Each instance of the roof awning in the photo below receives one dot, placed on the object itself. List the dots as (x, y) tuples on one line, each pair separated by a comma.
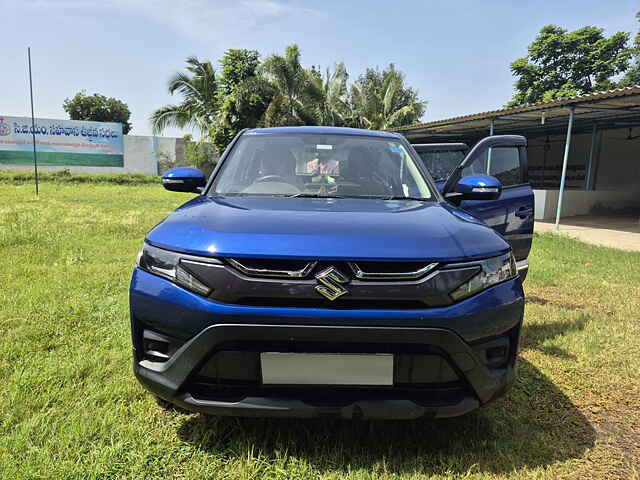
[(609, 109)]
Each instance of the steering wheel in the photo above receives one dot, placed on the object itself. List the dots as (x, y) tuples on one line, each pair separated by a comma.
[(270, 178)]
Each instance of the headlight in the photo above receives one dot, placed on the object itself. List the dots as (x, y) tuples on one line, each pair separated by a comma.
[(167, 264), (494, 270)]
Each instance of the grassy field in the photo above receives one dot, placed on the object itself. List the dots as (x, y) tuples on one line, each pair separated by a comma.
[(71, 408)]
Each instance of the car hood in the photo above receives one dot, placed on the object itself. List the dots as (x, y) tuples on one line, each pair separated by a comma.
[(325, 229)]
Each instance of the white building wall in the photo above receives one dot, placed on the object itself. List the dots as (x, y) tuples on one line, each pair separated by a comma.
[(617, 173), (582, 202)]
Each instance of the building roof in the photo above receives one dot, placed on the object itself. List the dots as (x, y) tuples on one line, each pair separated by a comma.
[(611, 108), (323, 131)]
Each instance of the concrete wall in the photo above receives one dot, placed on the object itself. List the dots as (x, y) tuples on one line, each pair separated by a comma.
[(546, 155), (141, 155), (582, 202), (616, 170), (619, 161)]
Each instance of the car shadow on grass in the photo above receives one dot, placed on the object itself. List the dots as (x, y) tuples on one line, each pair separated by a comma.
[(534, 426), (540, 336)]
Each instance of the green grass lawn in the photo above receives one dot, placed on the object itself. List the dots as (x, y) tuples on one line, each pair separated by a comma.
[(71, 408)]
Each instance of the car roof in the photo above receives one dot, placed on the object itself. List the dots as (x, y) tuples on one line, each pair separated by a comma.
[(322, 131), (439, 147)]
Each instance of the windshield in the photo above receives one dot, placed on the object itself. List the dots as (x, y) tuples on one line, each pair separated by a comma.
[(441, 164), (320, 165)]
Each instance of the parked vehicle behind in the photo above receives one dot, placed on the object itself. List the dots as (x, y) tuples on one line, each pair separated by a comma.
[(321, 271)]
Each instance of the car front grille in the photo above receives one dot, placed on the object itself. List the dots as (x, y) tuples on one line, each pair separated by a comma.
[(311, 283), (424, 375), (260, 267)]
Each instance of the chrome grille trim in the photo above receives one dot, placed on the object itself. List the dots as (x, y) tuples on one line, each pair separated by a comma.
[(362, 275), (264, 272)]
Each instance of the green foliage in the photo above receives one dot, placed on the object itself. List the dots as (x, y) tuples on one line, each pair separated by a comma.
[(98, 108), (379, 100), (198, 88), (296, 91), (247, 93), (632, 77), (333, 105), (19, 177), (201, 155), (243, 96), (561, 64)]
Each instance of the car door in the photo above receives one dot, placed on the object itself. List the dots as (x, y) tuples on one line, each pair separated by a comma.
[(511, 215)]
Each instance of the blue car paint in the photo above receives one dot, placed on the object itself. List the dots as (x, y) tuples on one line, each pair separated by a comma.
[(184, 314), (324, 229), (502, 216), (511, 215), (331, 229), (467, 184), (184, 172)]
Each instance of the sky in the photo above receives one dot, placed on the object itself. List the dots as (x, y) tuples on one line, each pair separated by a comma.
[(455, 53)]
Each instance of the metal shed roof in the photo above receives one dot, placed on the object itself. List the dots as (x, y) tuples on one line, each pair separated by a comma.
[(609, 109)]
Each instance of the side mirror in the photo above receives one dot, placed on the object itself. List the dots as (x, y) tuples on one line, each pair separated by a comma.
[(184, 179), (477, 187)]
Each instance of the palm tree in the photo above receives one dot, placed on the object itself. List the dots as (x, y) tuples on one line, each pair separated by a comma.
[(333, 107), (296, 92), (199, 106), (385, 105)]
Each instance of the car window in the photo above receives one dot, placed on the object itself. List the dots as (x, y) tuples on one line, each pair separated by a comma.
[(441, 164), (504, 164), (323, 165)]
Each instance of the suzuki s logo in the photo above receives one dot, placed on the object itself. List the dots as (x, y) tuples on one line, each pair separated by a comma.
[(331, 281)]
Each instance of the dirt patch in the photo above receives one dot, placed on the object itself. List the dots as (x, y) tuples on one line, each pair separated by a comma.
[(561, 298), (619, 430)]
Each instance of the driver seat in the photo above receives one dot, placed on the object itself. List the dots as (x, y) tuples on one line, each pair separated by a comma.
[(360, 168), (278, 160)]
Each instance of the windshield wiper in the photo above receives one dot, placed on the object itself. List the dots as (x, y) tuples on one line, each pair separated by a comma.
[(312, 195), (403, 197)]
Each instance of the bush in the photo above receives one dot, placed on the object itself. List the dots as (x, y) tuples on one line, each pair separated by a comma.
[(202, 156), (18, 177)]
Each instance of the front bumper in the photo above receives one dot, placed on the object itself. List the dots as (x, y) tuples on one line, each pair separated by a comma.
[(458, 335), (169, 379)]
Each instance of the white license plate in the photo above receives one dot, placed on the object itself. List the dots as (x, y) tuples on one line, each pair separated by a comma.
[(326, 368)]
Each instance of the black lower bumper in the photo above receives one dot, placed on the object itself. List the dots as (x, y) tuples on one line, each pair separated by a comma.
[(173, 379)]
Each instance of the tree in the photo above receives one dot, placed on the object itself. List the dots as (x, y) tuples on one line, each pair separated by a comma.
[(632, 77), (561, 64), (199, 106), (333, 104), (243, 96), (98, 108), (296, 93), (380, 100)]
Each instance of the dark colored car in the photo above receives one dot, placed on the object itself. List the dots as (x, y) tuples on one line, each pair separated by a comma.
[(321, 271)]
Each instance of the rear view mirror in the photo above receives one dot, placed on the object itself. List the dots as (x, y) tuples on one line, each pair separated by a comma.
[(184, 179), (478, 187)]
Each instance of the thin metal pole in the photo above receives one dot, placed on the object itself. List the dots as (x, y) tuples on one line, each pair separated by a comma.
[(588, 184), (489, 152), (33, 122), (567, 147)]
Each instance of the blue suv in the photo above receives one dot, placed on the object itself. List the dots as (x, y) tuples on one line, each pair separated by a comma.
[(322, 272)]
